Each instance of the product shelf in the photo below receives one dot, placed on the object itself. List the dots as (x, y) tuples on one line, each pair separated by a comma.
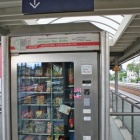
[(60, 88), (35, 105), (57, 77), (58, 92), (36, 119), (58, 119), (57, 105), (45, 134), (70, 85), (35, 78), (33, 92), (58, 134)]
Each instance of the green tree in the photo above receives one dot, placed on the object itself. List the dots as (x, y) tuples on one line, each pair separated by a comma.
[(137, 70), (131, 67), (134, 68), (112, 77), (122, 74)]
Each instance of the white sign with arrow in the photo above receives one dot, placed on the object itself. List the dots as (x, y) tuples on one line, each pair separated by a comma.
[(35, 4)]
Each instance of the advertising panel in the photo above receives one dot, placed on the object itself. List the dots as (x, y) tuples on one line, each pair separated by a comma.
[(62, 42)]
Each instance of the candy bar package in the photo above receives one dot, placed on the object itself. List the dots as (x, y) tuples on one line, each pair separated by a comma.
[(40, 127), (58, 127), (28, 127), (57, 88), (49, 138), (27, 114), (57, 114), (48, 112), (40, 114), (57, 85), (38, 71), (27, 100), (40, 99), (29, 138), (40, 88), (49, 127), (57, 70), (48, 86)]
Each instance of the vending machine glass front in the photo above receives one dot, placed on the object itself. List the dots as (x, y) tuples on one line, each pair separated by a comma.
[(45, 101)]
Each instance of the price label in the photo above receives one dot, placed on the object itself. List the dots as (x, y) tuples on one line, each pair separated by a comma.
[(86, 137), (87, 118), (87, 111), (86, 69)]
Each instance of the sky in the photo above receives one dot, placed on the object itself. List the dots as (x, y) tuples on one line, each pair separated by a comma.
[(125, 64)]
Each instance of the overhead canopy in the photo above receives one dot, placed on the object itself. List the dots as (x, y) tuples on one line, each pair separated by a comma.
[(124, 30), (107, 23)]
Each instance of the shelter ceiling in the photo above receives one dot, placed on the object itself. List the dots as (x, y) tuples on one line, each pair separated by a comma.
[(124, 45)]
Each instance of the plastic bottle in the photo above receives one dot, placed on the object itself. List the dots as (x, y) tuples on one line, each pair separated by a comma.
[(71, 95), (70, 75), (71, 120)]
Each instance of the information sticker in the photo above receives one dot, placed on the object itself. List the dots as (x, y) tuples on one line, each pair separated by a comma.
[(87, 118), (86, 69), (86, 101), (64, 109), (86, 137), (87, 111), (77, 93)]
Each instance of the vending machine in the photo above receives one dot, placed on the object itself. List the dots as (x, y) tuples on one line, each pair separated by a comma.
[(55, 86)]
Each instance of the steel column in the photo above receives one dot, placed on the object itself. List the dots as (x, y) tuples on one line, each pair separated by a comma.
[(107, 51), (102, 95), (104, 90), (112, 99), (116, 89), (116, 81), (132, 122), (6, 125), (122, 112)]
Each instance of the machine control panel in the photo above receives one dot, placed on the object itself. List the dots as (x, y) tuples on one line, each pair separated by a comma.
[(86, 101), (86, 91), (86, 107), (86, 83)]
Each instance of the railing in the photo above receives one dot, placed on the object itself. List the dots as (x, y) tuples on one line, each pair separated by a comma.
[(127, 109)]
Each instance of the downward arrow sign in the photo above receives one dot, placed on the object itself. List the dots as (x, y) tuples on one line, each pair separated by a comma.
[(35, 5)]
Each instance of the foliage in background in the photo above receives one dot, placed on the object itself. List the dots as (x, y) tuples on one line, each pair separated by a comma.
[(132, 80), (134, 67), (122, 74), (112, 76)]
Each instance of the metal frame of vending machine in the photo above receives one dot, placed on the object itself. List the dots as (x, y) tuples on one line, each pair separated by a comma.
[(91, 74)]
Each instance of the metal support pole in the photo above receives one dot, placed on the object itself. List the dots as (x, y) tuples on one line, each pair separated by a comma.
[(102, 90), (112, 100), (104, 96), (132, 122), (6, 127), (122, 112), (116, 89), (116, 104), (116, 81), (107, 87)]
